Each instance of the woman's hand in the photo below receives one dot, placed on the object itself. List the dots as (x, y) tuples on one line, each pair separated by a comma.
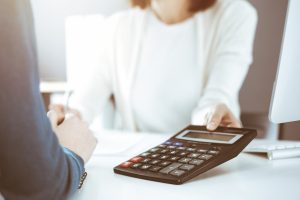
[(215, 115), (61, 112)]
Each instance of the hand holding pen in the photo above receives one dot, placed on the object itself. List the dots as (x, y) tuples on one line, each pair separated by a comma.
[(63, 110)]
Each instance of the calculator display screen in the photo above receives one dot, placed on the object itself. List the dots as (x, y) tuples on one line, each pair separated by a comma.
[(211, 137)]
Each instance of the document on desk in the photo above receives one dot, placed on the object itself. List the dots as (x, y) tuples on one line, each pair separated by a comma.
[(274, 149), (116, 142), (110, 143)]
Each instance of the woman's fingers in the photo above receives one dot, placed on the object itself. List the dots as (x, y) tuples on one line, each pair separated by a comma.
[(215, 118), (222, 116)]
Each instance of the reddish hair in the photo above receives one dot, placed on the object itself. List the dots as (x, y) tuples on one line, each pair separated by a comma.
[(195, 5)]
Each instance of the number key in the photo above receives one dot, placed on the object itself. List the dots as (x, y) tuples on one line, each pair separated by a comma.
[(165, 163), (146, 160), (155, 155), (164, 151), (196, 162), (213, 152), (187, 167), (205, 156), (175, 158), (154, 162), (177, 172), (191, 149), (185, 160), (194, 155), (173, 152), (155, 168), (136, 165), (183, 153), (164, 157), (145, 167), (154, 150)]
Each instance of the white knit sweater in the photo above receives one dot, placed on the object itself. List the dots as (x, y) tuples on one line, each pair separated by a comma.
[(225, 35)]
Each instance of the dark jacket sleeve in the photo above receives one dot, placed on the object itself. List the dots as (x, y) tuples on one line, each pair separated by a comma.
[(32, 163)]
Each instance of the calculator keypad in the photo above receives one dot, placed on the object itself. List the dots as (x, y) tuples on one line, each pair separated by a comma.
[(196, 162), (170, 168), (170, 158)]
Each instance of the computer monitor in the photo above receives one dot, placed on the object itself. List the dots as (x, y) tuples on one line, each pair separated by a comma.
[(285, 105)]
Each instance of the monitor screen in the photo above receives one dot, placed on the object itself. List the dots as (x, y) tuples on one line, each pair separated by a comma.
[(286, 93)]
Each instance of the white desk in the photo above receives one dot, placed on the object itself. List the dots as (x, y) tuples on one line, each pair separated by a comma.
[(245, 177)]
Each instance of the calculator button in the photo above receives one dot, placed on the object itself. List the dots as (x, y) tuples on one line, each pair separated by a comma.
[(145, 167), (168, 143), (170, 168), (185, 160), (181, 148), (154, 162), (155, 168), (194, 155), (183, 153), (164, 157), (136, 165), (213, 152), (145, 154), (205, 156), (178, 144), (126, 164), (136, 159), (187, 167), (146, 160), (155, 155), (171, 147), (154, 150), (173, 152), (175, 158), (191, 149), (196, 162), (177, 172), (202, 150), (217, 148), (162, 146), (165, 163), (164, 151)]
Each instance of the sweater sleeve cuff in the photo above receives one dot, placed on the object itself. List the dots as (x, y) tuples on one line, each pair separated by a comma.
[(79, 161)]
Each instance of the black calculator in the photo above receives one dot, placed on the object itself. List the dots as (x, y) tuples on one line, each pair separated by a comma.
[(192, 151)]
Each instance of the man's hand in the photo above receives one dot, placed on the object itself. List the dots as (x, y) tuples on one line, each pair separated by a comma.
[(74, 134), (61, 112), (215, 115)]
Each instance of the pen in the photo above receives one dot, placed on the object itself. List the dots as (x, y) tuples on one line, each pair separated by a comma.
[(67, 96)]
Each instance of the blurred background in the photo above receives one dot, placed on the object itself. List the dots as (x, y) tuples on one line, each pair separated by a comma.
[(256, 93)]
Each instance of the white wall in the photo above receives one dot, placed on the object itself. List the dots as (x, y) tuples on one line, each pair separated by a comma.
[(49, 23)]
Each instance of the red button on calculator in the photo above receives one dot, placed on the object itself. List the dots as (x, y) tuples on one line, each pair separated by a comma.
[(136, 159), (125, 164)]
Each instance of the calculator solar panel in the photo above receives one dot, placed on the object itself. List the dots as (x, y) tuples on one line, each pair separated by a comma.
[(187, 154)]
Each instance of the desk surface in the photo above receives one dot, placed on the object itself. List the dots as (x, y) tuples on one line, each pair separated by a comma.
[(244, 177)]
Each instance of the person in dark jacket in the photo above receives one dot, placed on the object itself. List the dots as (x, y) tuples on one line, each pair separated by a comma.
[(37, 161)]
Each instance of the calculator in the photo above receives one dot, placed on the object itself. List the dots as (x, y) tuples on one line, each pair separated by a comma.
[(192, 151)]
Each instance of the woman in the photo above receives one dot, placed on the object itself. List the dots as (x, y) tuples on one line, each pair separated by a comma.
[(169, 63)]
